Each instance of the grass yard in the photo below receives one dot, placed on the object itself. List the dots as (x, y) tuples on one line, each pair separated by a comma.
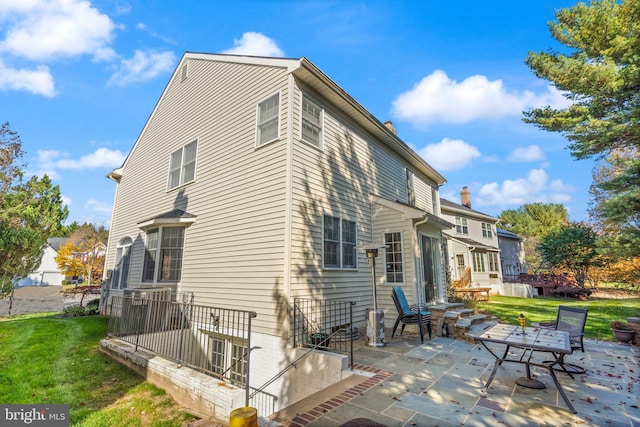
[(601, 311), (46, 359)]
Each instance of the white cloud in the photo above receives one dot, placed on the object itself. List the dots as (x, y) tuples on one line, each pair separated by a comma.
[(449, 154), (38, 80), (531, 153), (143, 66), (534, 188), (97, 206), (51, 161), (439, 99), (255, 44), (46, 30)]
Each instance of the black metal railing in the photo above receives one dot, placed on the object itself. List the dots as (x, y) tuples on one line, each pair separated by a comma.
[(212, 340), (324, 325)]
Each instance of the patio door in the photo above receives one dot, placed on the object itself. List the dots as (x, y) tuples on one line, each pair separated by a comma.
[(460, 265), (429, 270)]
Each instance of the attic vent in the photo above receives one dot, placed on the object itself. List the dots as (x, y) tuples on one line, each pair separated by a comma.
[(184, 73)]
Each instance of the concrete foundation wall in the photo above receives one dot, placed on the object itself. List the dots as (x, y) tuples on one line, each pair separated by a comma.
[(209, 397), (204, 396)]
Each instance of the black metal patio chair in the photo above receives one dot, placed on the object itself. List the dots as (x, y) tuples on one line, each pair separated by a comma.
[(415, 314), (573, 321)]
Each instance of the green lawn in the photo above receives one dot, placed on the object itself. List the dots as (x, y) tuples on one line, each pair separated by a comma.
[(47, 359), (601, 311)]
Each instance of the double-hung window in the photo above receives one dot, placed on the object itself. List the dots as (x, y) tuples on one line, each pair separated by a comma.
[(182, 166), (163, 255), (393, 257), (120, 275), (268, 128), (312, 116), (411, 192), (228, 357), (339, 243), (487, 230), (493, 261), (461, 225), (478, 262)]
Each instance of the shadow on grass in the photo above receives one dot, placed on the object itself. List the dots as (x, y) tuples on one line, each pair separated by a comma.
[(53, 359)]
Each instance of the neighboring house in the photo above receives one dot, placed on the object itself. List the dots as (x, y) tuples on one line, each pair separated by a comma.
[(512, 255), (473, 243), (257, 180), (47, 273)]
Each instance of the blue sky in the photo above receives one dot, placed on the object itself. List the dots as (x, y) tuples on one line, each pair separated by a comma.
[(78, 80)]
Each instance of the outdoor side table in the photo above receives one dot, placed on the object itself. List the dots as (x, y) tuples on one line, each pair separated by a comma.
[(533, 339)]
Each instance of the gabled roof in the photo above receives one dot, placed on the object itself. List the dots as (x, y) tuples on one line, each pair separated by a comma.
[(412, 212), (311, 75), (447, 205), (56, 242), (176, 216)]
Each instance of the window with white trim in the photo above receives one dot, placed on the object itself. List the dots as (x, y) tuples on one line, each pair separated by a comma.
[(478, 262), (163, 255), (487, 230), (493, 261), (268, 128), (120, 274), (461, 225), (339, 243), (411, 192), (182, 165), (312, 122), (393, 257), (227, 357)]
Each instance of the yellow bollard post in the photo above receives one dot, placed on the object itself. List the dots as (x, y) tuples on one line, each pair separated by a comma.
[(244, 417)]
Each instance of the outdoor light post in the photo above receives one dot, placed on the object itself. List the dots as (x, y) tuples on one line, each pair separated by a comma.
[(375, 318)]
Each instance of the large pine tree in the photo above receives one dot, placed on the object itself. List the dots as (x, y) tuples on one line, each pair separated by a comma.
[(599, 71)]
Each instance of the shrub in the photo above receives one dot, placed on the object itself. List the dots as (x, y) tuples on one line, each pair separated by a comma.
[(73, 311)]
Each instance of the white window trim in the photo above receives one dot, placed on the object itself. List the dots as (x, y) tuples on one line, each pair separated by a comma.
[(463, 224), (257, 136), (411, 186), (117, 270), (322, 109), (158, 249), (487, 230), (340, 255), (404, 272), (195, 166), (480, 266)]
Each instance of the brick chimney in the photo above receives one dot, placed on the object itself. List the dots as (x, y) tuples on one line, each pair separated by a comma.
[(389, 126), (465, 195)]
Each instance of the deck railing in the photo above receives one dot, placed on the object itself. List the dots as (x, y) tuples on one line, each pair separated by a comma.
[(212, 340)]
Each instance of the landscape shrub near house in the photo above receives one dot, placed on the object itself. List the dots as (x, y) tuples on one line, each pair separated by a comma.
[(49, 359)]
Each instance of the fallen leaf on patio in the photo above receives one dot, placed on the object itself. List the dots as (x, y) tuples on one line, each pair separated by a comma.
[(608, 408), (589, 399)]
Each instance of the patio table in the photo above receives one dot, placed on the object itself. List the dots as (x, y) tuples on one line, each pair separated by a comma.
[(532, 340)]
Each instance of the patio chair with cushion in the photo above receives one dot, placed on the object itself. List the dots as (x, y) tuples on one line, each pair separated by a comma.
[(415, 314)]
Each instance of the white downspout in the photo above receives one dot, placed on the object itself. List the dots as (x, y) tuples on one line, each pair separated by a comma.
[(418, 261)]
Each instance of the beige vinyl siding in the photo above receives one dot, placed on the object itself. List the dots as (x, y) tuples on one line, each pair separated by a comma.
[(234, 251), (338, 181), (390, 221), (423, 190)]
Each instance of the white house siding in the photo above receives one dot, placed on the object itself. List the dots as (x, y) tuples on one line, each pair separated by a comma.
[(234, 251), (47, 274), (474, 223), (389, 221), (338, 181)]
